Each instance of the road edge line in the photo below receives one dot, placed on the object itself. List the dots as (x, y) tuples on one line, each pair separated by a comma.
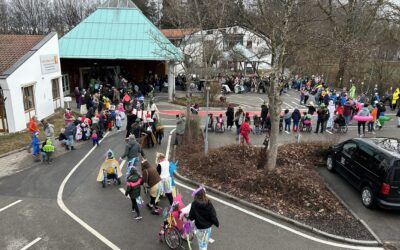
[(362, 244), (353, 213), (64, 208), (31, 243), (10, 205)]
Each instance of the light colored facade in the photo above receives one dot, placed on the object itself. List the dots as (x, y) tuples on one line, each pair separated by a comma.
[(33, 85), (235, 44)]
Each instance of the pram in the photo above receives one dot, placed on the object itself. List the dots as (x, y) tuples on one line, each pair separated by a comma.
[(305, 124), (339, 125), (220, 125)]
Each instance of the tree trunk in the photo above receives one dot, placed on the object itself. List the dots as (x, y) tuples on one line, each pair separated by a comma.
[(274, 109), (342, 68)]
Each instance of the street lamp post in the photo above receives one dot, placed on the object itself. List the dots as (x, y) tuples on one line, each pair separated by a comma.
[(207, 121)]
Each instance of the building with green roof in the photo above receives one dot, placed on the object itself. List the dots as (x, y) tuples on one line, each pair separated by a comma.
[(116, 39)]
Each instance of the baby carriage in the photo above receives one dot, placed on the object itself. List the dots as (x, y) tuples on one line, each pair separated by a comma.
[(176, 227), (220, 125), (109, 171), (339, 125), (305, 124)]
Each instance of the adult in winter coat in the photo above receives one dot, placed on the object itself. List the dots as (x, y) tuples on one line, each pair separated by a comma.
[(70, 132), (203, 213), (331, 109), (245, 130), (264, 115), (230, 115), (48, 130), (180, 129), (239, 118), (322, 117), (132, 149), (296, 116), (152, 180), (363, 112), (133, 190)]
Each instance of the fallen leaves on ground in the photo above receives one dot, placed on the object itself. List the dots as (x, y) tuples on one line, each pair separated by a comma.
[(294, 189)]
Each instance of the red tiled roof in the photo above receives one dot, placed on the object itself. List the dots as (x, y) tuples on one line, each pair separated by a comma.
[(13, 47), (177, 33)]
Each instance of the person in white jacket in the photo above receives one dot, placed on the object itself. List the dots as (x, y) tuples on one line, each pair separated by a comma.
[(166, 180), (331, 109)]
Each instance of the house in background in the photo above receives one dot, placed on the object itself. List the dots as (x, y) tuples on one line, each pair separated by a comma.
[(233, 48), (30, 79)]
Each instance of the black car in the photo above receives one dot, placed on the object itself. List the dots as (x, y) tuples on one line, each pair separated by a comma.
[(372, 166)]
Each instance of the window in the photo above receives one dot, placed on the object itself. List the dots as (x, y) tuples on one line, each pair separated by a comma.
[(365, 157), (396, 174), (65, 83), (249, 44), (27, 95), (349, 148), (55, 87)]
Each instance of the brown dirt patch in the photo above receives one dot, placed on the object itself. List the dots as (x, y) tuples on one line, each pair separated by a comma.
[(294, 189)]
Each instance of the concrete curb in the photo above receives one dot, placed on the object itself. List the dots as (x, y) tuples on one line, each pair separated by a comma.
[(13, 152), (354, 214), (278, 216)]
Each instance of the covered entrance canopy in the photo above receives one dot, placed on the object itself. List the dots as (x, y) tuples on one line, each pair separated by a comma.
[(116, 39)]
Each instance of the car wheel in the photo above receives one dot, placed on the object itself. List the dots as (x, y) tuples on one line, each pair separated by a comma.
[(367, 197), (329, 163)]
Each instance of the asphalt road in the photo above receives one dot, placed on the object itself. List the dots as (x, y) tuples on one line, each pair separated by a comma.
[(38, 217), (37, 220)]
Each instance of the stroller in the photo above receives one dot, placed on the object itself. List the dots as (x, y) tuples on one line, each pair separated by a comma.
[(305, 124), (220, 125), (339, 125)]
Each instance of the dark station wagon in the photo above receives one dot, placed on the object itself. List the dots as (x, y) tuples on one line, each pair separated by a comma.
[(372, 166)]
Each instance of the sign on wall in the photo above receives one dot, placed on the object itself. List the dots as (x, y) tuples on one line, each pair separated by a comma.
[(50, 64)]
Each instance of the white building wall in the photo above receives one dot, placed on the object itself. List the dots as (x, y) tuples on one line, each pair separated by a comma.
[(30, 73)]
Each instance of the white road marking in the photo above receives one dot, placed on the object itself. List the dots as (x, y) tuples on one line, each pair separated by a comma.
[(10, 205), (330, 243), (329, 132), (287, 132), (123, 192), (31, 243), (169, 144), (295, 103), (63, 207), (280, 225), (169, 126), (287, 94), (287, 104), (261, 99), (122, 165)]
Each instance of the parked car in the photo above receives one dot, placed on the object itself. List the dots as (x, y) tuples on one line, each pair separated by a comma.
[(372, 166)]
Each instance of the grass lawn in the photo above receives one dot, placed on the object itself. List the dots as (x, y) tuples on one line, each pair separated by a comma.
[(9, 142)]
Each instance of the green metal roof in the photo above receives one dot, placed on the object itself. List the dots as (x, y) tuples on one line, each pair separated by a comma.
[(117, 33)]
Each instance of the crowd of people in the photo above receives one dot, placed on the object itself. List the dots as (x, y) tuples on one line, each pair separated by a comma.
[(333, 109)]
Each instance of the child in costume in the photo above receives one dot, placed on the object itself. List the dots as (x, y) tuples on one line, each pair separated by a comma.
[(35, 146), (95, 138), (110, 168), (118, 122), (133, 190), (47, 150)]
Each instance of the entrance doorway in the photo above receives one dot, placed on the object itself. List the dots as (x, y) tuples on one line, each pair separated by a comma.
[(104, 73)]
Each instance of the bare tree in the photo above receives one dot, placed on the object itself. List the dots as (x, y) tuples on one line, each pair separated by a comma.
[(277, 22)]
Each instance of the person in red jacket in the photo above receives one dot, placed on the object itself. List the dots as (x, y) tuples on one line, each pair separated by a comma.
[(244, 131)]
